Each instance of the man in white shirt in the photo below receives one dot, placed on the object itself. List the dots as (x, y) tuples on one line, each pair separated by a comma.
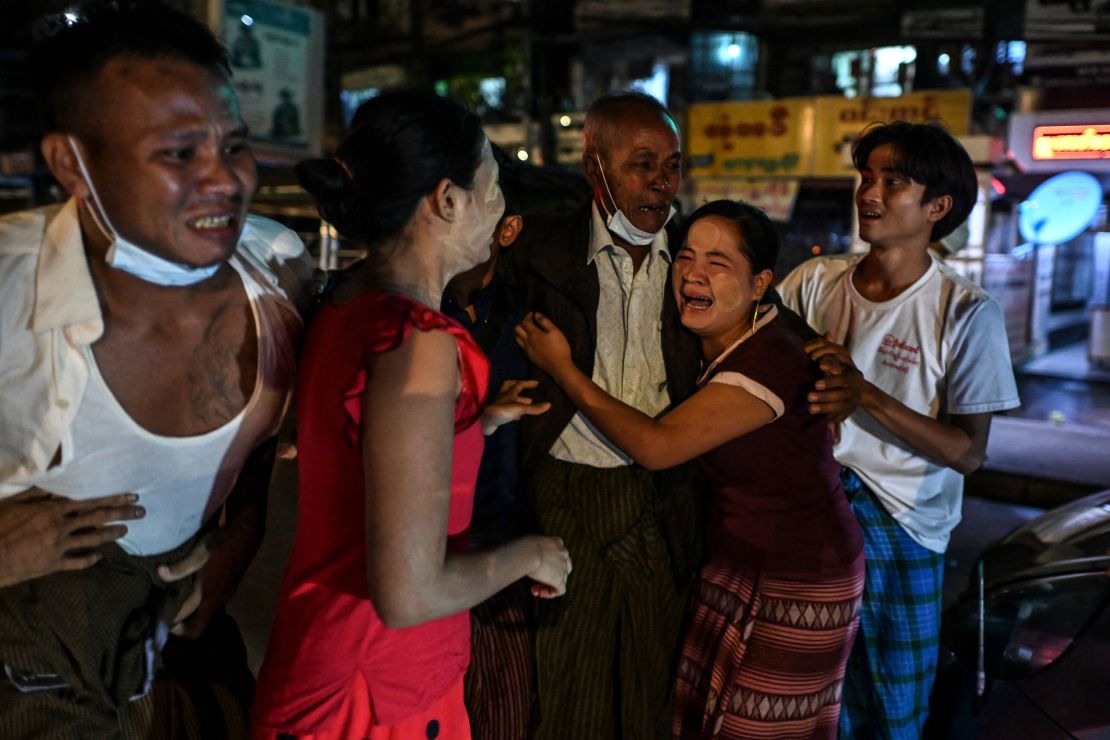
[(148, 336), (935, 364)]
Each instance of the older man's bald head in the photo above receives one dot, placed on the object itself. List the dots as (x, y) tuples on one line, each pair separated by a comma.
[(607, 115)]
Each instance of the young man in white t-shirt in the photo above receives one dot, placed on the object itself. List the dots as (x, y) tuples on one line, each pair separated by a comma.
[(932, 350)]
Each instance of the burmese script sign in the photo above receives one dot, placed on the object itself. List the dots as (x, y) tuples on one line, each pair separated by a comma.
[(1057, 140), (839, 122), (749, 139), (801, 137), (1071, 142)]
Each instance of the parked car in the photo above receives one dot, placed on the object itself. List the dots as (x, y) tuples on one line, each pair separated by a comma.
[(1027, 645)]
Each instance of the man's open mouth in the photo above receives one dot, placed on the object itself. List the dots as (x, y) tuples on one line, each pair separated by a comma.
[(210, 223)]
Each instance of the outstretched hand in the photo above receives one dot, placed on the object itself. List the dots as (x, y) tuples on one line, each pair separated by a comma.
[(840, 392), (545, 345), (510, 405)]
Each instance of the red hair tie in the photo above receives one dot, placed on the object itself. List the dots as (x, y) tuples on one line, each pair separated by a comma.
[(346, 168)]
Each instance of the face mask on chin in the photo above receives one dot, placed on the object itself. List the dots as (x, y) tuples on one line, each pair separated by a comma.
[(130, 257), (620, 225)]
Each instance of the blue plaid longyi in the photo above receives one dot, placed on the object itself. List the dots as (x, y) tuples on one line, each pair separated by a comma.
[(893, 663)]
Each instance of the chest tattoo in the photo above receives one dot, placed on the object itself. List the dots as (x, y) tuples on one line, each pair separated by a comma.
[(222, 367)]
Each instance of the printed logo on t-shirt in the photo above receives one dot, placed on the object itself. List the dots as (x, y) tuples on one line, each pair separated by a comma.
[(898, 354)]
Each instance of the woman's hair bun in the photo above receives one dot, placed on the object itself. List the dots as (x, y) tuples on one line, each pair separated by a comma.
[(401, 146), (333, 190)]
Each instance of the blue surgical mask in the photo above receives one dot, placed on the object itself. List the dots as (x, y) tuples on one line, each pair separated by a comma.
[(130, 257), (619, 223)]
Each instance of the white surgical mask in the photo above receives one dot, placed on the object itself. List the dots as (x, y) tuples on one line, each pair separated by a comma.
[(619, 223), (130, 257)]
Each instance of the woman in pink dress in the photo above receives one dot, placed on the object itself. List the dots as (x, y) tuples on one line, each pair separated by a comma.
[(371, 636)]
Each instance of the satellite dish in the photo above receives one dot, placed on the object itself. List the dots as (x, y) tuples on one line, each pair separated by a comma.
[(1060, 208)]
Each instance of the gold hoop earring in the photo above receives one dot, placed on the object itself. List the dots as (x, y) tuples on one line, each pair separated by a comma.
[(755, 314)]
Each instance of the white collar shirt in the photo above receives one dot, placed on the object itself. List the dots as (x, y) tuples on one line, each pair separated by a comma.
[(50, 314), (628, 357)]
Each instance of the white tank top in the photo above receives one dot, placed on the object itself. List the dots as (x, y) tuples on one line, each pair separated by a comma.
[(181, 481)]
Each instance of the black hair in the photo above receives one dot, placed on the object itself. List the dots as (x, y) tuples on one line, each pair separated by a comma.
[(610, 107), (759, 239), (401, 145), (929, 155), (72, 48)]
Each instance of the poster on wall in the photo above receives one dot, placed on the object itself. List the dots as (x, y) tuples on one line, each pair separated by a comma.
[(276, 64)]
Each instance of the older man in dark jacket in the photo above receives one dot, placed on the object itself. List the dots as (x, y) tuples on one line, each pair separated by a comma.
[(605, 651)]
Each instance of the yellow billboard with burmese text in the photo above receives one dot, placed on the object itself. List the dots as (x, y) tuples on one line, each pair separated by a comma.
[(840, 120), (750, 139), (804, 137)]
